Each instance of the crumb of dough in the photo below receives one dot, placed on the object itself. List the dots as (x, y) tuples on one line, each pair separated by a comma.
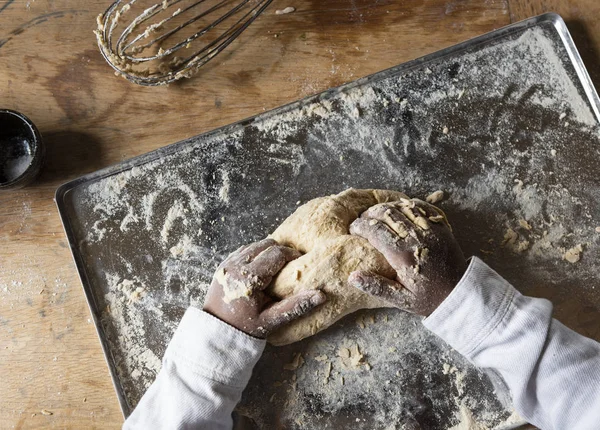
[(511, 242), (523, 223), (356, 357), (344, 353), (137, 294), (436, 218), (510, 237), (321, 358), (296, 363), (518, 189), (47, 412), (522, 246), (445, 130), (436, 196), (573, 255), (447, 369), (327, 373), (360, 322), (597, 229), (422, 223), (288, 9)]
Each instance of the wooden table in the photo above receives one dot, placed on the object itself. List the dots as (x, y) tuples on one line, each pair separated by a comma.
[(51, 70)]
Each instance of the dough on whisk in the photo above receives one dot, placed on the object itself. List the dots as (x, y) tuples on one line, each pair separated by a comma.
[(319, 229)]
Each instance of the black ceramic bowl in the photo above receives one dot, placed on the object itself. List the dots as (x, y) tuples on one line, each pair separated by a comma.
[(21, 150)]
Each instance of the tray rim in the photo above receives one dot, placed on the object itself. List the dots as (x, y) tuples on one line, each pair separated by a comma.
[(63, 190)]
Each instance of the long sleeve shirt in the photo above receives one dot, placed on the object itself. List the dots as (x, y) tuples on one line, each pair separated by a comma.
[(205, 368), (552, 372)]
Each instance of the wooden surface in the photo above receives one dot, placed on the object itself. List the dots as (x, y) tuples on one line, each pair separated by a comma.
[(51, 70)]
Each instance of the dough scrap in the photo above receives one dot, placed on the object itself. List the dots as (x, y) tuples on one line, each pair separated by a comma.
[(319, 229)]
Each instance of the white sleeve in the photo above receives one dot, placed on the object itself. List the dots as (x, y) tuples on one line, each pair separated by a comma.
[(552, 372), (207, 365)]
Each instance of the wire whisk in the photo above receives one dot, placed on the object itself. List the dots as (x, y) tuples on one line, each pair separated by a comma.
[(171, 39)]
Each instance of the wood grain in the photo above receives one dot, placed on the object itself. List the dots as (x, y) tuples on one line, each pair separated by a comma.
[(51, 70)]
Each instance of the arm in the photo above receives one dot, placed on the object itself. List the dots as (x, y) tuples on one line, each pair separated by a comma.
[(552, 372), (210, 359), (205, 369)]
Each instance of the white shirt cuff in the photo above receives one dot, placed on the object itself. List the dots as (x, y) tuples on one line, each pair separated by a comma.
[(473, 309), (211, 348)]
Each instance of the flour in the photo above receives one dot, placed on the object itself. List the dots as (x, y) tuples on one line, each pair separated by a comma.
[(224, 190), (141, 363), (182, 249), (505, 131), (130, 218), (467, 421), (177, 211)]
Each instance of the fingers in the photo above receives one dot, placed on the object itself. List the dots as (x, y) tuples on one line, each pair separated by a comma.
[(287, 310), (270, 261), (414, 215), (251, 251), (385, 240), (384, 288), (434, 215), (391, 215)]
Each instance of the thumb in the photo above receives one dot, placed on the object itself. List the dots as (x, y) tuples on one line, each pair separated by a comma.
[(281, 313), (379, 286)]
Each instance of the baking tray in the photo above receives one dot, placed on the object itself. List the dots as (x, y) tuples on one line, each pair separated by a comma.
[(506, 124)]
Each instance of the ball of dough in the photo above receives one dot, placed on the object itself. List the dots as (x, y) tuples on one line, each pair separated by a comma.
[(319, 229)]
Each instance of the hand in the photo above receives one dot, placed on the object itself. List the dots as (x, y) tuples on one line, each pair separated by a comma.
[(236, 295), (417, 241)]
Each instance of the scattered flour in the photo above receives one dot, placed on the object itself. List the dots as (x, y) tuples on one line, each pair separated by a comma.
[(224, 190), (177, 211), (505, 161)]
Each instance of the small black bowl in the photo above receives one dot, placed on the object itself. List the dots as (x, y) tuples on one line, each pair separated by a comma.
[(21, 150)]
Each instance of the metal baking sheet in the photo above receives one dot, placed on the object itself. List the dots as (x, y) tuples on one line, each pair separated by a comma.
[(506, 124)]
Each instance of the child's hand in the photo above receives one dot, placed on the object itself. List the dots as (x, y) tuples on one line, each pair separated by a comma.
[(417, 241), (236, 293)]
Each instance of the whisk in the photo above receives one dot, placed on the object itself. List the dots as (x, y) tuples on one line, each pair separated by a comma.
[(171, 39)]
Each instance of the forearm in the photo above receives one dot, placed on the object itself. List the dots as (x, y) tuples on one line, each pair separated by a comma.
[(205, 369), (553, 373)]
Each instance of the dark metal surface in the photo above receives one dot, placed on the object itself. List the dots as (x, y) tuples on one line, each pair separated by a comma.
[(484, 120)]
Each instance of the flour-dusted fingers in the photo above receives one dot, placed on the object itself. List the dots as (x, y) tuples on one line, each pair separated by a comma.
[(395, 249), (251, 251), (391, 215), (281, 313), (386, 289), (413, 213), (425, 209), (435, 215), (270, 261)]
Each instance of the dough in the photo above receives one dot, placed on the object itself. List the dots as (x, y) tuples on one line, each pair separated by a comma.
[(319, 229)]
